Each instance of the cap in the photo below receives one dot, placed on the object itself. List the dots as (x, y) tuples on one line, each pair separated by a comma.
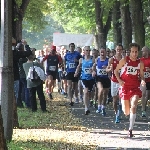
[(53, 47)]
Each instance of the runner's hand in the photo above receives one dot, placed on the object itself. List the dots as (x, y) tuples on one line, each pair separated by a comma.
[(143, 83), (121, 82), (93, 74)]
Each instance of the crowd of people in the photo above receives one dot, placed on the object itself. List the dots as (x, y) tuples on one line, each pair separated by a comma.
[(94, 77)]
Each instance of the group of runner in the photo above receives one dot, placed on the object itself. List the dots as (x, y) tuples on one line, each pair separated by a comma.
[(122, 72)]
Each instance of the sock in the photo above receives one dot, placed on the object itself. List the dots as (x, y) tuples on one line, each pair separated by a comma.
[(86, 108), (118, 113), (102, 107), (99, 107), (132, 120)]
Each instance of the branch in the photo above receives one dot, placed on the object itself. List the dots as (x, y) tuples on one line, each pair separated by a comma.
[(108, 23)]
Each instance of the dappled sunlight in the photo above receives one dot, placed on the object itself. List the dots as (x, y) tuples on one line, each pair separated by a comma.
[(95, 137)]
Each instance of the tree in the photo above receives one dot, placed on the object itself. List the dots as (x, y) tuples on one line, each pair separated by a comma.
[(116, 23), (126, 24), (3, 145), (137, 21)]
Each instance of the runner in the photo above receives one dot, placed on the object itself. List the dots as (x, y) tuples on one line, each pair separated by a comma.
[(145, 91), (53, 61), (130, 77), (86, 76), (71, 61), (113, 61), (103, 81)]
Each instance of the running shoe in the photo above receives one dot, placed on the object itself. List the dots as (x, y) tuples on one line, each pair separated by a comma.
[(103, 112), (65, 95), (87, 112), (117, 119), (130, 133), (144, 114), (71, 103), (98, 111), (76, 101)]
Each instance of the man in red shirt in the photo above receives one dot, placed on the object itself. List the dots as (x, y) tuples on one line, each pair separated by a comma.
[(145, 90), (53, 60)]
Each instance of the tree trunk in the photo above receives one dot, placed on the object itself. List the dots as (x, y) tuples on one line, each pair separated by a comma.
[(6, 69), (116, 23), (102, 30), (126, 24), (17, 18), (3, 145), (137, 22)]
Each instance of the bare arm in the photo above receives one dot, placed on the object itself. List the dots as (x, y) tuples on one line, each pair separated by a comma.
[(94, 65), (142, 72), (109, 67), (116, 71), (78, 67)]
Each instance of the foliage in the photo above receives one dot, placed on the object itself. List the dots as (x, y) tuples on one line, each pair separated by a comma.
[(52, 120), (37, 39)]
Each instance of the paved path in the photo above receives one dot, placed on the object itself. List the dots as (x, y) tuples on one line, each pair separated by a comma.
[(109, 135)]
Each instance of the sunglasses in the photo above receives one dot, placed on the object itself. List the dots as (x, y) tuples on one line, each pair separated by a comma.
[(88, 50)]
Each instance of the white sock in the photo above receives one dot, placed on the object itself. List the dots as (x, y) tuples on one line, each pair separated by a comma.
[(86, 108), (118, 113), (120, 103), (99, 107), (132, 120), (102, 107)]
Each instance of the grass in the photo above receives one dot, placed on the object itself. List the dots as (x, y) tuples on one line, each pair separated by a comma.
[(48, 131)]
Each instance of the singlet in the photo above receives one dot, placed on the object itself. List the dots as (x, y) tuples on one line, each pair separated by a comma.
[(130, 73), (86, 72), (114, 64), (101, 72), (71, 65), (52, 63), (146, 62)]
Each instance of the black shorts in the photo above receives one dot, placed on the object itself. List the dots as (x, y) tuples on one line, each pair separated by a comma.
[(70, 76), (104, 81), (88, 84), (147, 85), (53, 74)]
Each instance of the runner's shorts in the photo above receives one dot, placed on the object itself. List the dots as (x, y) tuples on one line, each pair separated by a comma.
[(104, 81), (53, 74), (70, 76), (88, 84), (126, 93), (114, 88)]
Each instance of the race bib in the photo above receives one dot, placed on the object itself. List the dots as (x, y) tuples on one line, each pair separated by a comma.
[(87, 70), (71, 65), (52, 68), (131, 70), (101, 72), (146, 74)]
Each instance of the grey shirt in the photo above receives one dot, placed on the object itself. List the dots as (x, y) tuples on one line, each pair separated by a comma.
[(26, 67)]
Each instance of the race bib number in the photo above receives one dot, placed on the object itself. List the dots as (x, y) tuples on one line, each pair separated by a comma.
[(52, 68), (101, 72), (71, 65), (131, 70), (146, 74), (88, 70)]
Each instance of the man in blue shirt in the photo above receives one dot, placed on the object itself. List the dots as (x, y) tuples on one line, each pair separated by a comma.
[(71, 61)]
